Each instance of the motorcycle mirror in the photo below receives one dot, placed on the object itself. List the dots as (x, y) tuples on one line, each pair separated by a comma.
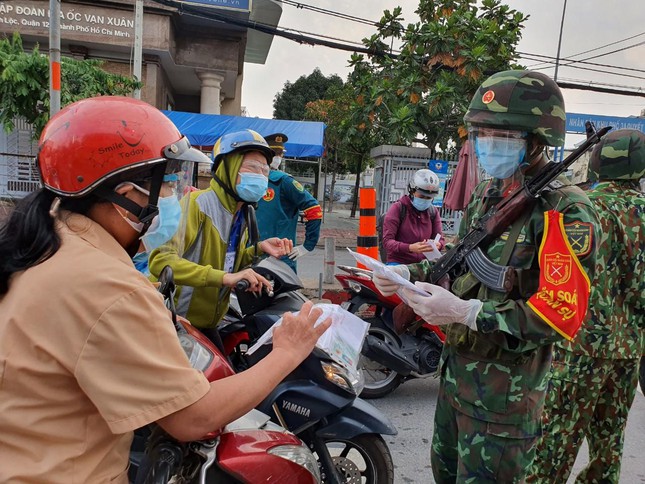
[(254, 232)]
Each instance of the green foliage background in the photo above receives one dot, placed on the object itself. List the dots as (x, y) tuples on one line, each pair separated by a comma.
[(24, 83)]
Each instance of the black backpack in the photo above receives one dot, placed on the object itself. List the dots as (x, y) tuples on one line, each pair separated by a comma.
[(379, 227)]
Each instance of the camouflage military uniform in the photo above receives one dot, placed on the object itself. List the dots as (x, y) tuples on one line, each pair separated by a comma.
[(593, 378), (493, 379)]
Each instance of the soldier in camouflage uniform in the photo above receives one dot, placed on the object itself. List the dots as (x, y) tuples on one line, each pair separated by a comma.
[(496, 358), (594, 377)]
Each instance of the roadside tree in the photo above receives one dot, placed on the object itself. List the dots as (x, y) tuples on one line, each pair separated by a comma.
[(420, 94), (24, 83)]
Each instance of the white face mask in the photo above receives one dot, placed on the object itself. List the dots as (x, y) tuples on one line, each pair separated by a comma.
[(138, 226), (275, 162)]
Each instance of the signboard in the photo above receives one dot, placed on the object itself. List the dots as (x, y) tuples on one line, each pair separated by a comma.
[(576, 122), (440, 167), (79, 21), (239, 5)]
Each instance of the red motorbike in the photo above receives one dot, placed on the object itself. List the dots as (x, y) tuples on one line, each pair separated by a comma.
[(250, 450), (390, 354)]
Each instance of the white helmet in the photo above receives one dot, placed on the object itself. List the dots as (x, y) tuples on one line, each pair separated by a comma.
[(426, 182)]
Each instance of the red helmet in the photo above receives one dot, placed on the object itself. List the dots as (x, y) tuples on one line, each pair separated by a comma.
[(93, 144), (101, 138)]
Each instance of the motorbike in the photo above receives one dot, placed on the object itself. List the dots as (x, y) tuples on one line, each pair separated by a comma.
[(319, 400), (251, 449), (390, 355)]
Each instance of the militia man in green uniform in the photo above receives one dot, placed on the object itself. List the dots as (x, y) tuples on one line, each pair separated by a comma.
[(278, 211), (594, 377), (498, 349)]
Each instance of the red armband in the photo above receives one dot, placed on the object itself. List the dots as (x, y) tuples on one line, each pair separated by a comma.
[(313, 213), (563, 292)]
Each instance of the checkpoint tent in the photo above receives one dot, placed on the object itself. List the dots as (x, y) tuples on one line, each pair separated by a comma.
[(203, 130)]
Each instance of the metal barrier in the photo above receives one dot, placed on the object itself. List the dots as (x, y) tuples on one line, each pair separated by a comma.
[(18, 174)]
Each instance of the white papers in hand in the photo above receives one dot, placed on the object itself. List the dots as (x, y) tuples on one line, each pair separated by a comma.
[(382, 270), (342, 341), (434, 254)]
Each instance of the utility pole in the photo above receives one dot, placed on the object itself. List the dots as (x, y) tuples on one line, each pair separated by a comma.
[(54, 57), (557, 56), (138, 44)]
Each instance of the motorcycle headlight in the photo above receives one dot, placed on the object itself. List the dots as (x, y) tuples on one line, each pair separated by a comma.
[(300, 455), (199, 356), (341, 376)]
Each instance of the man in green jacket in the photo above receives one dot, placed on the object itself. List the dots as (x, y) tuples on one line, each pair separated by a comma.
[(594, 377), (498, 344), (209, 253)]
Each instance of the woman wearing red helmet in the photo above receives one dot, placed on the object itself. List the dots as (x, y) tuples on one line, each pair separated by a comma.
[(84, 337)]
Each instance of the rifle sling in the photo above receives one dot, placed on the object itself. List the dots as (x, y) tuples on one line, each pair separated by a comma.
[(513, 236)]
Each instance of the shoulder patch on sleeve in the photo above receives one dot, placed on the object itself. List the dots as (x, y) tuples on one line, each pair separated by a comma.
[(269, 195), (580, 237), (298, 186)]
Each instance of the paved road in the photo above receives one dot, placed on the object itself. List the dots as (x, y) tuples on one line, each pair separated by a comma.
[(411, 408)]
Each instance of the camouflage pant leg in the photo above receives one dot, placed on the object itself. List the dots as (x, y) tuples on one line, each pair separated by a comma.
[(576, 388), (469, 450), (606, 432)]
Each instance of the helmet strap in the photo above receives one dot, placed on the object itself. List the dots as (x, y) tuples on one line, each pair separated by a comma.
[(144, 214), (151, 210), (229, 191)]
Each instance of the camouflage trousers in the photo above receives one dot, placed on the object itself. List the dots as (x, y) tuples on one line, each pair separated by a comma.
[(586, 397), (468, 450)]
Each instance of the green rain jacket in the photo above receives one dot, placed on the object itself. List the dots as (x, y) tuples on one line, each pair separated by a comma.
[(499, 373), (198, 269)]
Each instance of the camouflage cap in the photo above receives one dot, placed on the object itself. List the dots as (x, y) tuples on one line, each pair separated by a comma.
[(620, 155), (522, 100)]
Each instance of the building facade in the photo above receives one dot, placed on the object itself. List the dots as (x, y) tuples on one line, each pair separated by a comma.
[(191, 62)]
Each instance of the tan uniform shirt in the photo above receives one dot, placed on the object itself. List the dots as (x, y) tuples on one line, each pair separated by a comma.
[(88, 353)]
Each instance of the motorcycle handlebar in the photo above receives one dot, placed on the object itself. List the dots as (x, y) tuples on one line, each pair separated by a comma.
[(244, 285)]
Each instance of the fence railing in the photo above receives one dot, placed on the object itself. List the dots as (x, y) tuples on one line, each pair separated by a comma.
[(18, 174)]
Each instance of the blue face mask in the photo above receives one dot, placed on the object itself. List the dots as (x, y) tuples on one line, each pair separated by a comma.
[(164, 225), (140, 261), (252, 186), (500, 157), (421, 204)]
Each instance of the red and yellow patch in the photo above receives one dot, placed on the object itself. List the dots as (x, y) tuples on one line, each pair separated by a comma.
[(269, 195), (563, 291), (488, 97), (313, 213)]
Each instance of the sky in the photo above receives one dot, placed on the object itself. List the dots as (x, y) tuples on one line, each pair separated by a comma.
[(588, 24)]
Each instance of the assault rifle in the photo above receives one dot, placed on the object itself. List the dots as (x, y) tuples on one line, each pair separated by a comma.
[(468, 254)]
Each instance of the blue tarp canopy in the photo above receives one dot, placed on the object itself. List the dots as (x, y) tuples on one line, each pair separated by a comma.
[(203, 130)]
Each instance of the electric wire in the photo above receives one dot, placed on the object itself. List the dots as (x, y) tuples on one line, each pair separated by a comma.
[(184, 9), (594, 49), (332, 13)]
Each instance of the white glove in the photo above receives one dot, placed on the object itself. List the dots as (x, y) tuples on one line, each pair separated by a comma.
[(387, 287), (443, 307), (297, 252)]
